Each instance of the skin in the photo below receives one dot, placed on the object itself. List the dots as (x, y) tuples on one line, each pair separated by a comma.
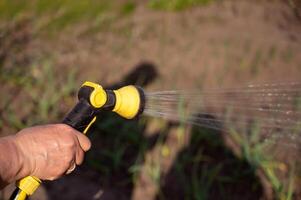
[(47, 152)]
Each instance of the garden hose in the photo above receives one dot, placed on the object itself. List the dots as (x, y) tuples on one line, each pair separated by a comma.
[(127, 101)]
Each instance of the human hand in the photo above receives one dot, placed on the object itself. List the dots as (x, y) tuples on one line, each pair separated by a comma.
[(50, 151)]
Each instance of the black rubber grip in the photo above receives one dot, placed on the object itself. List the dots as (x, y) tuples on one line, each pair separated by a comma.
[(142, 100), (15, 194), (111, 100), (80, 116)]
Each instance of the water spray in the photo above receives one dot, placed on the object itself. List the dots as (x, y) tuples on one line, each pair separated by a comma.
[(128, 102), (273, 110)]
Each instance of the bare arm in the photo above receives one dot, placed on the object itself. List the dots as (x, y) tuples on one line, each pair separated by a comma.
[(46, 152)]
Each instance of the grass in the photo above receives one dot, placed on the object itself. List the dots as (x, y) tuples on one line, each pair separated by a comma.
[(204, 167), (50, 17), (128, 8), (67, 11), (176, 5), (154, 172), (287, 55), (256, 153), (42, 92), (202, 171), (255, 63), (272, 52)]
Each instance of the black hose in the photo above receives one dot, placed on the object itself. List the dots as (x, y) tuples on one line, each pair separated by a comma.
[(15, 194)]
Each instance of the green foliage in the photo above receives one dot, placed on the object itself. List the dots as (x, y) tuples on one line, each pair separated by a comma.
[(119, 145), (56, 15), (287, 55), (46, 91), (65, 9), (154, 172), (71, 12), (272, 52), (176, 5), (255, 62), (128, 8), (291, 185), (254, 151), (42, 89), (297, 102), (205, 168)]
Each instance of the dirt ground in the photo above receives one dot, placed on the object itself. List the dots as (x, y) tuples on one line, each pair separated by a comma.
[(224, 44)]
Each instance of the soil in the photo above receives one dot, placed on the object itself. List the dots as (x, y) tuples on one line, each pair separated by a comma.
[(224, 44)]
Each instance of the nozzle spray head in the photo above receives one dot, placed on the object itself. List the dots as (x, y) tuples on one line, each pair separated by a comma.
[(128, 101)]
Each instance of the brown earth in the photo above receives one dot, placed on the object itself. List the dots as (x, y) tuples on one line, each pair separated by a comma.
[(225, 44)]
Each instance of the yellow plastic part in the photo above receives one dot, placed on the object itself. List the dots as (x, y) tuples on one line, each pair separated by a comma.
[(127, 101), (87, 128), (29, 184), (21, 196), (98, 97)]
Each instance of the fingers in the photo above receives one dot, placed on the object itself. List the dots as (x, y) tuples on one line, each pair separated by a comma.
[(83, 141), (78, 160), (79, 156), (83, 145)]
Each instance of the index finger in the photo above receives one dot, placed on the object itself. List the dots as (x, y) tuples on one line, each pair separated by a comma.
[(84, 141)]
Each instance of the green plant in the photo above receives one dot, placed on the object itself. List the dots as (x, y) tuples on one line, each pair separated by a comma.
[(128, 8), (287, 55), (53, 16), (42, 92), (176, 5), (154, 172), (255, 62)]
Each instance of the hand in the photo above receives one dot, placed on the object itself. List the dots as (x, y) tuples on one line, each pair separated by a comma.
[(50, 151)]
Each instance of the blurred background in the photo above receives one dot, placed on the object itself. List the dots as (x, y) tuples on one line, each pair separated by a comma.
[(49, 48)]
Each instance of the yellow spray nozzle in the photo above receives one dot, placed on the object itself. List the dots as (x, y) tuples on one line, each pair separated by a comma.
[(98, 96), (129, 101)]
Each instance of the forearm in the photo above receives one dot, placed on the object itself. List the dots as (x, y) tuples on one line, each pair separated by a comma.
[(10, 161)]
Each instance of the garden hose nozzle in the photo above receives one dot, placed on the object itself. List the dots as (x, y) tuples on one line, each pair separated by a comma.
[(127, 101)]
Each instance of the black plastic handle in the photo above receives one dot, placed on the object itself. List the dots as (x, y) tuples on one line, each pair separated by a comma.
[(80, 116)]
